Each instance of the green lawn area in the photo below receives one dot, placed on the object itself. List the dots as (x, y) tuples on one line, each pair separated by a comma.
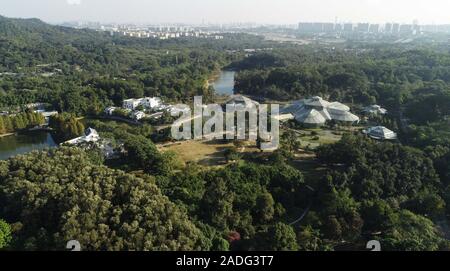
[(314, 137), (206, 153)]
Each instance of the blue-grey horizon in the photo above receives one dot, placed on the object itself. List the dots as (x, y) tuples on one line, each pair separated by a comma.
[(229, 11)]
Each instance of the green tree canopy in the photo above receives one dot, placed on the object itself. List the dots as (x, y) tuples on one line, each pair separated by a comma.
[(60, 195)]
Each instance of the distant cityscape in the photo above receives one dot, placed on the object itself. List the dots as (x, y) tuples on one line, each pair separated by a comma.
[(162, 32), (216, 31), (387, 28), (157, 32)]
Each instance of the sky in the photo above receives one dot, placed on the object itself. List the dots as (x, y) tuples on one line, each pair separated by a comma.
[(229, 11)]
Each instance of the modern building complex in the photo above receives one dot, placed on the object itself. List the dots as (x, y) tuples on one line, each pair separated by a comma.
[(147, 103), (316, 112)]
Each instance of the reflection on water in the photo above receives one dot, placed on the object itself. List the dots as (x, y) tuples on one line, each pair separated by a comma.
[(224, 85), (23, 143)]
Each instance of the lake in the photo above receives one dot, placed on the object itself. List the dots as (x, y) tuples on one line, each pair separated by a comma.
[(24, 143), (224, 84)]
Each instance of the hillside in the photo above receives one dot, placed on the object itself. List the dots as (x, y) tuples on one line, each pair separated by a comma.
[(27, 42)]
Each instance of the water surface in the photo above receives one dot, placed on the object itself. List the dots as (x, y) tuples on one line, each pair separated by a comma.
[(224, 84), (24, 143)]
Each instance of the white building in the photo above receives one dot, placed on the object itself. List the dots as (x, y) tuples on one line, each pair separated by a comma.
[(131, 103), (35, 105), (380, 133), (375, 110), (151, 103), (316, 111), (90, 135), (175, 110), (138, 115), (147, 103), (110, 110)]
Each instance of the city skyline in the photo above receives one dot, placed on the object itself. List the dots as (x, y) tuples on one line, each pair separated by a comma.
[(231, 11)]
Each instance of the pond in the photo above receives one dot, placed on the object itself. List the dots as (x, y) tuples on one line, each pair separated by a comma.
[(224, 84), (24, 143)]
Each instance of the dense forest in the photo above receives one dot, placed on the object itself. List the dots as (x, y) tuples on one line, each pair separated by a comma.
[(387, 75), (20, 121), (83, 71), (62, 194), (394, 192), (145, 199)]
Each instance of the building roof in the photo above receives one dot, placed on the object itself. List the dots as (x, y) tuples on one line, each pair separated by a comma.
[(293, 108), (241, 100), (90, 135), (284, 117), (325, 114), (177, 109), (311, 116), (380, 132), (132, 100), (316, 101), (110, 108), (375, 109), (90, 131), (344, 116), (302, 110), (153, 99), (47, 114), (338, 106)]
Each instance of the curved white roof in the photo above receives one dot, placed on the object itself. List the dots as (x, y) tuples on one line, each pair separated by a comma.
[(338, 106), (294, 107), (307, 111), (316, 101), (325, 113), (344, 116), (241, 100), (381, 132), (311, 116)]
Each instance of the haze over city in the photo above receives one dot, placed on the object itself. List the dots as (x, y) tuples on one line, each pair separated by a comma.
[(219, 11)]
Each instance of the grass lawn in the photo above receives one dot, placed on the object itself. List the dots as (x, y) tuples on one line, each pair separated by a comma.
[(311, 169), (206, 153), (314, 137)]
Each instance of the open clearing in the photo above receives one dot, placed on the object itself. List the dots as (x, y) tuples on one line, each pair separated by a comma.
[(206, 153)]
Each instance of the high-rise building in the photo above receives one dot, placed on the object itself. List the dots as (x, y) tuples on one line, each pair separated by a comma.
[(374, 28), (362, 27), (406, 29), (328, 27), (305, 27), (395, 28), (348, 27), (429, 28), (416, 27), (317, 27), (388, 28)]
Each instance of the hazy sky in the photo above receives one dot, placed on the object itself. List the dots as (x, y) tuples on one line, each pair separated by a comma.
[(223, 11)]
